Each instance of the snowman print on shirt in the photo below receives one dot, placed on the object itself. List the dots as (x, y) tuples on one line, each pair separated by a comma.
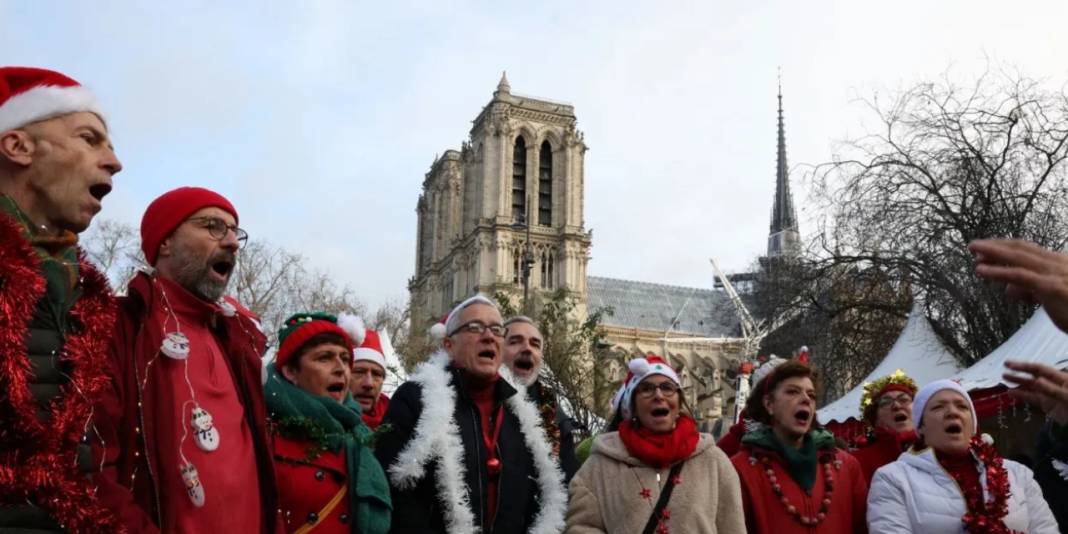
[(175, 345), (193, 488), (205, 435)]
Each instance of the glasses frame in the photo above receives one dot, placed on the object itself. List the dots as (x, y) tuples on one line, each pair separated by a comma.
[(478, 327), (889, 402), (213, 228), (667, 392)]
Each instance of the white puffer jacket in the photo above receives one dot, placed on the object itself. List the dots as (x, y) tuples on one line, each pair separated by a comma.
[(915, 494)]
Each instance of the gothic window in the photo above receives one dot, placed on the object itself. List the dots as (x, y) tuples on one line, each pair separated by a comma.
[(446, 292), (552, 262), (545, 185), (517, 256), (519, 178), (546, 270)]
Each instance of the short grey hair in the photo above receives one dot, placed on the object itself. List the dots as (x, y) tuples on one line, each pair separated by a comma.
[(520, 319), (453, 321)]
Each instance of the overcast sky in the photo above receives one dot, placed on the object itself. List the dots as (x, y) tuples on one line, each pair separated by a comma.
[(319, 119)]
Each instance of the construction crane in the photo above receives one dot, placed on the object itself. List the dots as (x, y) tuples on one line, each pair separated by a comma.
[(753, 334)]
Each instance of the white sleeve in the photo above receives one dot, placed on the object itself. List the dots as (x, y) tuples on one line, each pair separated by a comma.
[(1040, 517), (887, 510)]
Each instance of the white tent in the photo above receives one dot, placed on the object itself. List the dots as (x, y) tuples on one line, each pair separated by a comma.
[(917, 351), (1038, 340), (395, 374)]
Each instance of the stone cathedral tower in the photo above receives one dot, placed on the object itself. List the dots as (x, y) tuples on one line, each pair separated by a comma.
[(523, 163)]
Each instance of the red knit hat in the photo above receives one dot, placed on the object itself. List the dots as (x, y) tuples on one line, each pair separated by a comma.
[(170, 210), (30, 94), (370, 350)]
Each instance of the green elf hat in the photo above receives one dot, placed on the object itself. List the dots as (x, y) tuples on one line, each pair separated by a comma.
[(300, 327)]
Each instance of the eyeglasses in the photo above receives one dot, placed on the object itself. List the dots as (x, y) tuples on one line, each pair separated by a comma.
[(218, 228), (903, 400), (647, 390), (477, 327)]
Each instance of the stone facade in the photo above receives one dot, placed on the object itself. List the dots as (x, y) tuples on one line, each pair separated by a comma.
[(473, 208), (523, 162)]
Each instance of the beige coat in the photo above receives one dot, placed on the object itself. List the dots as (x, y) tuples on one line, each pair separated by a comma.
[(606, 493)]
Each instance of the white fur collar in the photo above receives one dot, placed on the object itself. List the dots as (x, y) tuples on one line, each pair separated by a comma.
[(437, 436)]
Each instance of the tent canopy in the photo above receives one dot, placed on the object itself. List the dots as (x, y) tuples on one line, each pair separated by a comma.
[(1038, 340), (917, 351)]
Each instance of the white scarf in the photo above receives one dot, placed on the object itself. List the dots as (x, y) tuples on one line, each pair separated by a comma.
[(437, 437)]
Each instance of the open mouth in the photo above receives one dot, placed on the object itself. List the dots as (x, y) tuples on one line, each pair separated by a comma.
[(660, 412), (99, 191), (223, 268), (336, 390), (524, 365), (900, 418), (954, 428), (488, 354), (802, 416)]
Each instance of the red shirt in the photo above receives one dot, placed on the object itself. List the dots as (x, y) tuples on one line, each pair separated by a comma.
[(482, 395), (227, 474)]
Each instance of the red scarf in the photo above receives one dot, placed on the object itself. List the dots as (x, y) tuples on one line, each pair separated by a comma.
[(373, 417), (660, 449)]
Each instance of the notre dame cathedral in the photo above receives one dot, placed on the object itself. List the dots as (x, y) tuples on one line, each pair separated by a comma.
[(513, 196)]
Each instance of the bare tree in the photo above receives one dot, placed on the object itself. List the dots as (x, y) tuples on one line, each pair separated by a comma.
[(949, 164), (274, 283), (847, 316), (115, 248)]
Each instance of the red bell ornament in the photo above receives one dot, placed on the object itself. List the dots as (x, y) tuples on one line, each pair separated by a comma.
[(494, 466)]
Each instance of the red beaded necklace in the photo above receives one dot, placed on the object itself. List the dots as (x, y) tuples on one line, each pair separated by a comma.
[(825, 503)]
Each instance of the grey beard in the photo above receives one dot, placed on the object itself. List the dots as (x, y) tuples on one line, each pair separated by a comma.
[(527, 381), (195, 279)]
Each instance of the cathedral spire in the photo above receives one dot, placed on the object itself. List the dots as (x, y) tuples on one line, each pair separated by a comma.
[(503, 88), (784, 237)]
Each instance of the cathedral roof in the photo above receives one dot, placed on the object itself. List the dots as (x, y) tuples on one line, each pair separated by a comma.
[(702, 312)]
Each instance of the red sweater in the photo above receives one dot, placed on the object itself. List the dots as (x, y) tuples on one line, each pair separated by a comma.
[(140, 428), (885, 448), (765, 514)]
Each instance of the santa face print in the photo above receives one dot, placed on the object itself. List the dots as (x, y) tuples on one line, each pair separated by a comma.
[(205, 435)]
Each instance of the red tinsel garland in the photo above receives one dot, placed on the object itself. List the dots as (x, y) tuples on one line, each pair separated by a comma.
[(548, 419), (986, 516), (38, 459)]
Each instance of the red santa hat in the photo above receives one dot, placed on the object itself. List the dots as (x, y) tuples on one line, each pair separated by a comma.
[(29, 94), (640, 369), (370, 350)]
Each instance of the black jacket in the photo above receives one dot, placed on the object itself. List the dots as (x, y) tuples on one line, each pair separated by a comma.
[(1053, 445), (418, 510)]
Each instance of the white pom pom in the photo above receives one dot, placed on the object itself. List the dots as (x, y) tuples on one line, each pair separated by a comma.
[(353, 326), (639, 366), (987, 438), (437, 333)]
